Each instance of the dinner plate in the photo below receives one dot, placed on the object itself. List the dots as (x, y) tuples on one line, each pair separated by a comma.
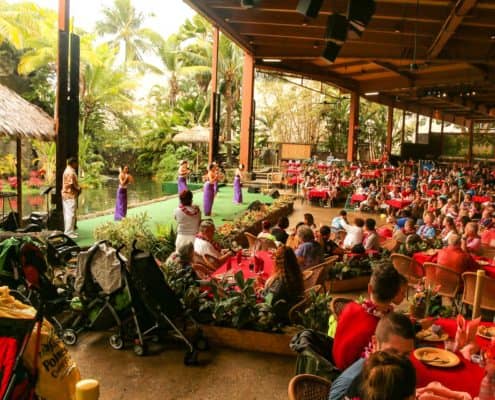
[(434, 357), (486, 332), (428, 336), (483, 262)]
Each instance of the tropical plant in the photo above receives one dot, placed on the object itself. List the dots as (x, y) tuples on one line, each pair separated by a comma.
[(164, 244), (46, 153), (123, 25), (315, 315), (8, 165)]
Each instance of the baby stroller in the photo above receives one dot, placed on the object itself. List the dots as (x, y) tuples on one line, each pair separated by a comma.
[(16, 383), (149, 288), (25, 270), (61, 250)]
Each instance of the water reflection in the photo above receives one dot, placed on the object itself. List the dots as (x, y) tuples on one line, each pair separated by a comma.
[(92, 200)]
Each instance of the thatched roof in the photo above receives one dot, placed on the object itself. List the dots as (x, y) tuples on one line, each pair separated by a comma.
[(20, 118), (196, 134)]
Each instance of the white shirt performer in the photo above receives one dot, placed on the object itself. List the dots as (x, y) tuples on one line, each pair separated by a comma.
[(70, 191)]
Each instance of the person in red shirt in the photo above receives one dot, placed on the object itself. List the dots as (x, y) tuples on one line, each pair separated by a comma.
[(454, 258), (357, 322)]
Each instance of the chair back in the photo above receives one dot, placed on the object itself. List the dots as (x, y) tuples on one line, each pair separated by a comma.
[(251, 239), (331, 259), (390, 244), (323, 270), (407, 267), (299, 307), (263, 244), (487, 291), (337, 305), (312, 276), (438, 275), (308, 387)]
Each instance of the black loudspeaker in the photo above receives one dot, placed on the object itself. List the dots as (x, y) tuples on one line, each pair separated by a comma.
[(309, 8), (337, 26), (254, 189), (274, 194), (359, 12), (331, 51)]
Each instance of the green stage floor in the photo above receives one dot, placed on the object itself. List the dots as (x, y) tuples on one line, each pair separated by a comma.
[(162, 212)]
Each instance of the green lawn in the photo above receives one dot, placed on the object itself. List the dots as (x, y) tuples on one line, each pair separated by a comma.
[(162, 212)]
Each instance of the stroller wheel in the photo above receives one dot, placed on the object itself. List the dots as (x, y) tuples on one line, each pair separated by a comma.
[(116, 342), (140, 349), (69, 337), (191, 358)]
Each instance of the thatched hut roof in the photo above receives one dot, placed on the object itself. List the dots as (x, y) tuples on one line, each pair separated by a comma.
[(20, 118), (196, 134)]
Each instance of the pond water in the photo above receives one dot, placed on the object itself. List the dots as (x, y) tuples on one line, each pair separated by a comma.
[(92, 200)]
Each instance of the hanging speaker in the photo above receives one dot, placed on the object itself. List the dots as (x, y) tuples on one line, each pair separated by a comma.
[(360, 12), (309, 8), (337, 26), (331, 51)]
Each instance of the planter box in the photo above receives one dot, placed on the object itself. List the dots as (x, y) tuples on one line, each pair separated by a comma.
[(348, 285), (243, 339)]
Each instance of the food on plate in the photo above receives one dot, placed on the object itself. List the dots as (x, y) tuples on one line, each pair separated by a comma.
[(487, 331), (433, 334)]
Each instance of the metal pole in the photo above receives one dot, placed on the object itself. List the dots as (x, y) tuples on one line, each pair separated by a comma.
[(19, 179), (480, 277)]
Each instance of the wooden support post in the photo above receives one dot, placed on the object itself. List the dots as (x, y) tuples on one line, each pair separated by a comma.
[(442, 138), (416, 133), (246, 139), (352, 136), (19, 179), (215, 104), (403, 130), (480, 277), (471, 139), (390, 128)]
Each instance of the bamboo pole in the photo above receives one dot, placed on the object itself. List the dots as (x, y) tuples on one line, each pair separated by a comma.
[(480, 276), (19, 179)]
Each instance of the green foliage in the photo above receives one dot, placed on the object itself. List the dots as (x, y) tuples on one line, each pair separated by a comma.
[(356, 266), (126, 231), (164, 244), (316, 314), (8, 165)]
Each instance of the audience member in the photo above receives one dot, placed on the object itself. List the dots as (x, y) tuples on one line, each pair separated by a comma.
[(309, 252)]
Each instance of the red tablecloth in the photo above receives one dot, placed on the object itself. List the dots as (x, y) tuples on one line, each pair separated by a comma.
[(371, 174), (358, 198), (345, 183), (472, 185), (295, 179), (437, 181), (293, 171), (481, 199), (354, 167), (268, 266), (318, 194), (389, 169), (398, 203), (465, 377), (384, 232)]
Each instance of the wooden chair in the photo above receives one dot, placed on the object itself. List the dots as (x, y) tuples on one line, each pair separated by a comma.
[(320, 272), (251, 239), (407, 267), (487, 291), (308, 387), (312, 276), (332, 259), (390, 245), (449, 281), (299, 307), (337, 305), (263, 244)]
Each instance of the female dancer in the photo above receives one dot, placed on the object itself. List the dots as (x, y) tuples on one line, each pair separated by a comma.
[(209, 189), (183, 173), (238, 184), (121, 204)]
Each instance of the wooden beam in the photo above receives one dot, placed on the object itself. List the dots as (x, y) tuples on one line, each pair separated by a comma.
[(352, 137), (390, 128), (247, 111), (459, 11), (392, 68), (403, 130), (471, 138), (214, 131), (19, 179)]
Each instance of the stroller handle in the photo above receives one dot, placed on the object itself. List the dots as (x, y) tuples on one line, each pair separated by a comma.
[(118, 253)]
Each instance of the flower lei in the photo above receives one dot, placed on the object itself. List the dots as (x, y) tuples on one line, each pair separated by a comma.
[(371, 309), (217, 247), (191, 211)]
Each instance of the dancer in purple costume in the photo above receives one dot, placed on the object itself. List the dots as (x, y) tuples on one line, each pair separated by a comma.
[(183, 173), (121, 204), (238, 184), (209, 189)]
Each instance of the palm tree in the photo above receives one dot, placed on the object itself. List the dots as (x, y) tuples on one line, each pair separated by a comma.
[(123, 24)]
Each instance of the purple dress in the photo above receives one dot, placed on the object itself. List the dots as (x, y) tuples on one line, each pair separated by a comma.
[(237, 190), (121, 204), (181, 184), (208, 196)]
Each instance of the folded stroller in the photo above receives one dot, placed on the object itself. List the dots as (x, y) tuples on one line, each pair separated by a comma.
[(61, 250), (148, 287)]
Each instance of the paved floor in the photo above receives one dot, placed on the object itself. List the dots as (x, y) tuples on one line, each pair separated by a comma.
[(224, 374)]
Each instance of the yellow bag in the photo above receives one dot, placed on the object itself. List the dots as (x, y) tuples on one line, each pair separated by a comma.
[(57, 372)]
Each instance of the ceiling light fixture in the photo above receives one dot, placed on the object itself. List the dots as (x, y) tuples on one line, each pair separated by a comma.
[(271, 60), (372, 93)]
